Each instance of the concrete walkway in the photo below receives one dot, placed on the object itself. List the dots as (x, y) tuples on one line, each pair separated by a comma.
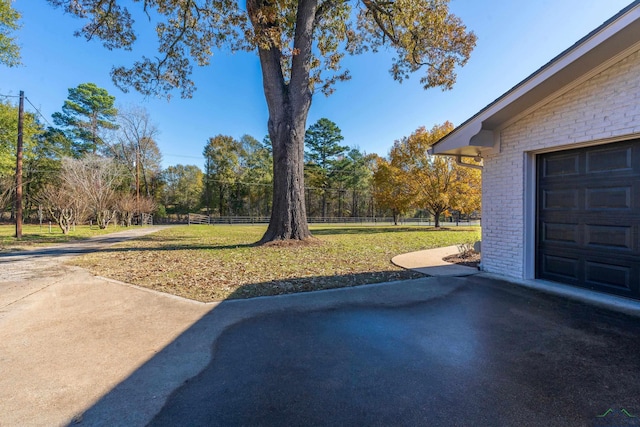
[(430, 262), (67, 337)]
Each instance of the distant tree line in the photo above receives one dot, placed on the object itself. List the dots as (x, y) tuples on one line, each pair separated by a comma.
[(96, 164), (101, 163), (340, 181)]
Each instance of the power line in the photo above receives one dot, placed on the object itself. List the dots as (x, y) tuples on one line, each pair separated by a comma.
[(29, 101), (38, 111), (181, 155)]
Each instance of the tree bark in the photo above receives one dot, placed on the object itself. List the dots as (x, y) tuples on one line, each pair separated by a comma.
[(288, 104), (288, 214), (436, 218)]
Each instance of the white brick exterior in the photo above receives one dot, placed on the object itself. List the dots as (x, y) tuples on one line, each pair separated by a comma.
[(604, 108)]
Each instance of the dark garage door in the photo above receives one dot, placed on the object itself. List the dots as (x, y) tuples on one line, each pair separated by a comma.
[(589, 218)]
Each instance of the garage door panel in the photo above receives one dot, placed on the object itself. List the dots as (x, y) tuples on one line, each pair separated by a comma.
[(560, 199), (607, 236), (561, 166), (609, 198), (556, 232), (609, 159), (588, 218), (599, 274), (564, 268)]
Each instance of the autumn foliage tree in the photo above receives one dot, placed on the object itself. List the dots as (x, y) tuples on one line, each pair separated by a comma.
[(300, 45), (434, 183), (391, 187)]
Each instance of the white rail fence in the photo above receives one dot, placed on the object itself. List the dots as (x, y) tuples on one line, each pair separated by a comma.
[(194, 218)]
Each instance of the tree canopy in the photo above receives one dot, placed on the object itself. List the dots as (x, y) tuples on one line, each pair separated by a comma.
[(390, 190), (323, 142), (32, 130), (88, 111), (307, 36), (9, 22), (183, 186), (300, 45), (222, 168), (433, 183)]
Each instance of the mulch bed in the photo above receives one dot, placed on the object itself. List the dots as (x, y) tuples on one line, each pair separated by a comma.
[(469, 259)]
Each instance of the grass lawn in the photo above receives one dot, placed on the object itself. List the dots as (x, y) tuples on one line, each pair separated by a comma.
[(33, 235), (210, 263)]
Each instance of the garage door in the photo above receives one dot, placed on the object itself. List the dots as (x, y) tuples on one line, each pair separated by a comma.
[(588, 224)]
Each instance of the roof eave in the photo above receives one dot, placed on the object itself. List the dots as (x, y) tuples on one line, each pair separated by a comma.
[(614, 39)]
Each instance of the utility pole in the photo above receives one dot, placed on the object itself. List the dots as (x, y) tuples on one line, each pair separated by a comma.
[(19, 169), (138, 184)]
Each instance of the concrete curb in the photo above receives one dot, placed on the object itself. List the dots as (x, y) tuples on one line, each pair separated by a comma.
[(597, 299)]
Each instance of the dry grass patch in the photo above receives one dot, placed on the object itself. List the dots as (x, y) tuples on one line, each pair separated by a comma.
[(209, 263)]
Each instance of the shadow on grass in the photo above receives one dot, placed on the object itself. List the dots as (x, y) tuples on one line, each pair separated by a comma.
[(37, 242), (79, 245), (298, 285), (103, 243), (78, 249), (30, 240)]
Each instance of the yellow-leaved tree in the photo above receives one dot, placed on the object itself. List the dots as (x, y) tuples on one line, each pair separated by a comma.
[(435, 183), (390, 189)]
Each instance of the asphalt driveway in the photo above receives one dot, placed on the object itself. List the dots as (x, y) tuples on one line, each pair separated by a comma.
[(455, 351)]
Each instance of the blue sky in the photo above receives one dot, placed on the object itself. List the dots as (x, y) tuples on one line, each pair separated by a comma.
[(515, 38)]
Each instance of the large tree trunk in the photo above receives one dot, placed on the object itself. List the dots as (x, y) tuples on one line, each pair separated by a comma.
[(289, 213), (436, 217), (288, 103)]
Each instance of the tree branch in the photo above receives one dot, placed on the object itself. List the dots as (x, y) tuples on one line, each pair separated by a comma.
[(104, 18), (302, 45), (375, 10)]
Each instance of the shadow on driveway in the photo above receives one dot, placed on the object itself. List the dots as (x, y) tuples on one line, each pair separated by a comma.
[(433, 351), (82, 246)]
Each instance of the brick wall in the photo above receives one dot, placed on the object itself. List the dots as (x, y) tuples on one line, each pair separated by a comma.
[(605, 106)]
